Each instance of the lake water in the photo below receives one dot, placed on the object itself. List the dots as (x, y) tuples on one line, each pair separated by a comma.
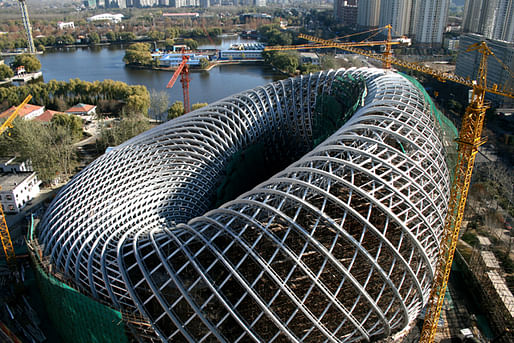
[(100, 63)]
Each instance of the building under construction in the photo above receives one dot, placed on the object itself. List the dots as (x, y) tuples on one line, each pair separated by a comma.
[(307, 210)]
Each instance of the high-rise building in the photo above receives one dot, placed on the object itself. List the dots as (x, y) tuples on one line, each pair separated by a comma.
[(503, 27), (345, 12), (145, 3), (396, 13), (429, 21), (90, 3), (469, 61), (117, 3), (472, 11), (368, 13), (492, 18)]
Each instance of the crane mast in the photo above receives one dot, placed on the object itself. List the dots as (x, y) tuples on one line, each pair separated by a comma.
[(5, 237), (28, 28), (470, 139), (183, 71)]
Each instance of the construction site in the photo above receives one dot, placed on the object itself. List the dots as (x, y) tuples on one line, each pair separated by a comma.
[(321, 208)]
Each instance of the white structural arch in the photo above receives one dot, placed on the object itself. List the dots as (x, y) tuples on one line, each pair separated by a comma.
[(339, 246)]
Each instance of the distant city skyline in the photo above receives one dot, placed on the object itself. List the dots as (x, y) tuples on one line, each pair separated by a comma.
[(424, 21)]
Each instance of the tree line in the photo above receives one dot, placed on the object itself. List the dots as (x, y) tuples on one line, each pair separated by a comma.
[(60, 95)]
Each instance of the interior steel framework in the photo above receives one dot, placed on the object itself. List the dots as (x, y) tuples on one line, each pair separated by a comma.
[(340, 246)]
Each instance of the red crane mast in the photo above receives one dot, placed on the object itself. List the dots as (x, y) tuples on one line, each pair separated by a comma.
[(183, 71)]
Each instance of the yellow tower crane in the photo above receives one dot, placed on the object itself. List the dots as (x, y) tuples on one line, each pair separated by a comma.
[(323, 44), (469, 141), (5, 237)]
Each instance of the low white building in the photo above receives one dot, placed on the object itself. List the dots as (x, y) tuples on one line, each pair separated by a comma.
[(82, 110), (309, 57), (14, 165), (27, 112), (114, 18), (243, 51), (62, 25), (17, 190)]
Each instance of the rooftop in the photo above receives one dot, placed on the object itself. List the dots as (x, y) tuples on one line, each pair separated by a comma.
[(79, 108), (10, 181), (27, 109), (47, 115)]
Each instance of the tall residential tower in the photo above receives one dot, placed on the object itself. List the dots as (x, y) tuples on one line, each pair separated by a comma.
[(492, 18), (368, 13)]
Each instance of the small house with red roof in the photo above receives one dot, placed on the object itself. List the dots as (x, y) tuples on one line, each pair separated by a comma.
[(28, 112), (47, 116), (82, 110)]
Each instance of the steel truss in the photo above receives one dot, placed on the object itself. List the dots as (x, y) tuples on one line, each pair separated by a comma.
[(338, 247)]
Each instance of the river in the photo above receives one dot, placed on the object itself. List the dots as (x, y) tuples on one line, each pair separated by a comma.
[(100, 63)]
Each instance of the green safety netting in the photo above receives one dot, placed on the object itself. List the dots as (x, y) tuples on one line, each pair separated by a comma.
[(448, 131), (76, 317), (335, 108)]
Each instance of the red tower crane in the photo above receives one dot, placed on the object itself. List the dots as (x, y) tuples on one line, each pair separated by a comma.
[(183, 70)]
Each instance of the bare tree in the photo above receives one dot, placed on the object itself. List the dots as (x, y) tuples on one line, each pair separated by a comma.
[(159, 103)]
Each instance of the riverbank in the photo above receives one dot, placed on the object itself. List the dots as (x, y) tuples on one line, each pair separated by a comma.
[(194, 69)]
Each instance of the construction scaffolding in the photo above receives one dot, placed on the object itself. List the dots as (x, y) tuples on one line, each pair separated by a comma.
[(496, 296)]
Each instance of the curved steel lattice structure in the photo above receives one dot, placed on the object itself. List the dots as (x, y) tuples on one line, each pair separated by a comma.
[(340, 246)]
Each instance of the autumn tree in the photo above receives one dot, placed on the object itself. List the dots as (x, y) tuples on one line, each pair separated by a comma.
[(176, 110), (30, 62), (72, 123), (191, 43), (127, 127), (198, 105), (94, 38), (138, 54), (49, 147), (159, 103), (5, 72)]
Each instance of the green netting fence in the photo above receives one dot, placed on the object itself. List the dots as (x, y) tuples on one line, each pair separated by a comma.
[(449, 132), (76, 317)]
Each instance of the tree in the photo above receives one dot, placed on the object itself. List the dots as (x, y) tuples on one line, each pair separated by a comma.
[(198, 105), (49, 147), (286, 61), (122, 130), (126, 36), (138, 54), (5, 72), (171, 33), (30, 62), (308, 68), (328, 62), (94, 38), (71, 122), (176, 110), (111, 36), (155, 35), (204, 63), (191, 43), (159, 102)]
